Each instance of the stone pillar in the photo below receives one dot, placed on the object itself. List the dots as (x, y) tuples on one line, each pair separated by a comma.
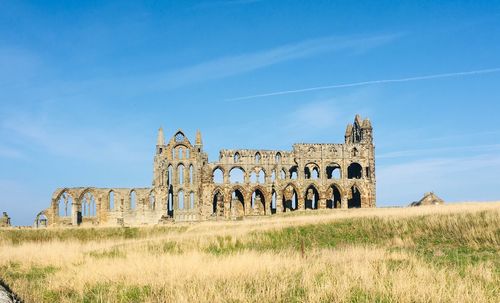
[(344, 202), (279, 203)]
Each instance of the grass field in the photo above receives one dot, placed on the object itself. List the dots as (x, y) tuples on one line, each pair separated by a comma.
[(427, 254)]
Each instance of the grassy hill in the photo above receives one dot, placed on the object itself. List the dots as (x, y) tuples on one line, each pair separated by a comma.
[(426, 254)]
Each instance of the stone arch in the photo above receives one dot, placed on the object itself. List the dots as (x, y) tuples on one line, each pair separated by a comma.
[(180, 173), (64, 203), (192, 202), (294, 172), (41, 220), (218, 202), (170, 201), (191, 174), (258, 201), (181, 200), (355, 171), (258, 158), (355, 197), (111, 200), (237, 174), (170, 174), (237, 203), (290, 197), (88, 204), (333, 171), (277, 158), (218, 175), (274, 202), (282, 174), (132, 199), (311, 171), (236, 157), (334, 196), (311, 197), (354, 152)]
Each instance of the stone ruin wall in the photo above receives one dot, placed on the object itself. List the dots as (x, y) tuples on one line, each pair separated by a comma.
[(185, 187)]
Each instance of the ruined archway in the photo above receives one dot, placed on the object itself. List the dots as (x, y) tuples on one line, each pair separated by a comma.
[(311, 198), (237, 175), (354, 171), (218, 203), (333, 171), (64, 204), (334, 197), (290, 198), (258, 202), (237, 204), (354, 200)]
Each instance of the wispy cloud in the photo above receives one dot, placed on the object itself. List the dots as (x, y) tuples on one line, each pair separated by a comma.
[(371, 82), (239, 64)]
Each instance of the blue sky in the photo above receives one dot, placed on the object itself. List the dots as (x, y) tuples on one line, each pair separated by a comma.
[(84, 86)]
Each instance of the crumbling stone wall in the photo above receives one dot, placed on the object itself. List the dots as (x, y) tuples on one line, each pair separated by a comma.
[(185, 186)]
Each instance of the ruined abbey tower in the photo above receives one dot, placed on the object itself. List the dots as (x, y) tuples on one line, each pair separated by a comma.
[(241, 183)]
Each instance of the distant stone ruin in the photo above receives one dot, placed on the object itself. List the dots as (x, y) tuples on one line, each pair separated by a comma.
[(241, 183), (4, 220), (429, 199)]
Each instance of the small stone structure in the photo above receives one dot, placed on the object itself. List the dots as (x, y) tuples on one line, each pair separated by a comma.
[(5, 220), (429, 199), (186, 187)]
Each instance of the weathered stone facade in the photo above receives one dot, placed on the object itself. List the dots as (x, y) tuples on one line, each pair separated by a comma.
[(187, 187), (4, 220)]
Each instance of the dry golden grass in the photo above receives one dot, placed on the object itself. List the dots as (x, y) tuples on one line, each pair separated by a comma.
[(426, 254)]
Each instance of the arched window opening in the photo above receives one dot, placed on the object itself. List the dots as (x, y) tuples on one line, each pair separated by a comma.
[(333, 171), (261, 177), (315, 173), (88, 205), (354, 171), (188, 153), (180, 171), (355, 198), (170, 203), (334, 199), (170, 174), (191, 200), (290, 198), (258, 203), (191, 174), (283, 174), (218, 204), (180, 199), (133, 197), (278, 158), (293, 173), (237, 204), (367, 174), (181, 156), (257, 158), (273, 202), (218, 176), (111, 200), (354, 152), (273, 176), (253, 177), (179, 137), (237, 175), (152, 202), (311, 198), (65, 203), (236, 158)]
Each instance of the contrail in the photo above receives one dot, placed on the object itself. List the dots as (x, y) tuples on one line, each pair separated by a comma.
[(427, 77)]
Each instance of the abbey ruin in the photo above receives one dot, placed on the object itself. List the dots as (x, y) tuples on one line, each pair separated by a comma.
[(242, 183)]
